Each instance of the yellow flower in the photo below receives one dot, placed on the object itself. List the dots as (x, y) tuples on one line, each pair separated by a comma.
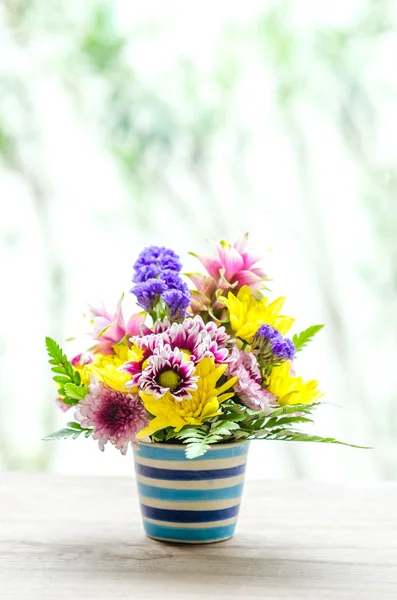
[(248, 313), (289, 389), (105, 368), (203, 404)]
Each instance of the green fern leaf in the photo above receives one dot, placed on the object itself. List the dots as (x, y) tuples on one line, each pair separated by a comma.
[(298, 436), (302, 339), (73, 430)]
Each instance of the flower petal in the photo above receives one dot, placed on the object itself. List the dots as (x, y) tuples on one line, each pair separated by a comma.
[(211, 264), (230, 259)]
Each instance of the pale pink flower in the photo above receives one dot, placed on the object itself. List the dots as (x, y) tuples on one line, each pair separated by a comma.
[(62, 405), (233, 267), (249, 389), (114, 416), (110, 329)]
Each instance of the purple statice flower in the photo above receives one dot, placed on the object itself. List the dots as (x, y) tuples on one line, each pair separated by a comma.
[(153, 260), (248, 388), (157, 277), (271, 345), (177, 300), (169, 371), (146, 292)]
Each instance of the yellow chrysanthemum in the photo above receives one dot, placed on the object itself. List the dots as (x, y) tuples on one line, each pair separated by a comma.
[(203, 404), (105, 368), (289, 389), (248, 313)]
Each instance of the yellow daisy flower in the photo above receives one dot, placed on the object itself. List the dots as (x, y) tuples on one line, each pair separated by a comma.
[(203, 404), (289, 389), (105, 368), (248, 313)]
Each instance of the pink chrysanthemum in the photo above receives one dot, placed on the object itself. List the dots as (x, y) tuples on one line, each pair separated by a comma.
[(198, 340), (193, 337), (169, 371), (115, 417), (249, 384), (147, 344)]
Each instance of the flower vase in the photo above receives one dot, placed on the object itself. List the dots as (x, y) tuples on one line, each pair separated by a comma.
[(190, 501)]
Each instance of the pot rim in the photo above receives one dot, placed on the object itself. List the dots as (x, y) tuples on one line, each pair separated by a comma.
[(182, 446)]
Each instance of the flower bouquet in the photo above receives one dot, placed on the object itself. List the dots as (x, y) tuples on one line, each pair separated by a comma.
[(188, 382)]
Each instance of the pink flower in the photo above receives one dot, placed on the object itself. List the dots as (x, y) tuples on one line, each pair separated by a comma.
[(169, 371), (81, 360), (194, 338), (108, 330), (233, 268), (62, 405), (115, 417), (249, 384)]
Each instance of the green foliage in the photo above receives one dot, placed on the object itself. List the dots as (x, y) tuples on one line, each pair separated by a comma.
[(302, 339), (199, 439), (71, 389), (72, 429), (76, 392), (238, 422), (288, 435)]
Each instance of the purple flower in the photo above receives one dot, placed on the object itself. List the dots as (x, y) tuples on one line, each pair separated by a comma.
[(148, 291), (271, 345), (153, 260), (157, 278)]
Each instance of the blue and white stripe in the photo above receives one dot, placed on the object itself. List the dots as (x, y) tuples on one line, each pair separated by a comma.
[(190, 501)]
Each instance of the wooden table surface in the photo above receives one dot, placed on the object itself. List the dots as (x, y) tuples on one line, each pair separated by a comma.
[(78, 537)]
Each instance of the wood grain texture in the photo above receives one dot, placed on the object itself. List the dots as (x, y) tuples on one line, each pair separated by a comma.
[(64, 537)]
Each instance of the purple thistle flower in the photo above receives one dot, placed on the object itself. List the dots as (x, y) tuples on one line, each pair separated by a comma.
[(270, 344), (153, 260)]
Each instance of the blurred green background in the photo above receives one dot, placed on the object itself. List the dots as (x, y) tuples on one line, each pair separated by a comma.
[(124, 124)]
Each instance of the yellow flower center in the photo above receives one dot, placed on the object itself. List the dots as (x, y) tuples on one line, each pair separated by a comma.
[(169, 379)]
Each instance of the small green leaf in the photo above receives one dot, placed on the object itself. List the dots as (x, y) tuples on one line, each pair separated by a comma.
[(302, 339), (58, 370), (67, 400), (76, 378), (61, 380), (77, 392), (54, 351)]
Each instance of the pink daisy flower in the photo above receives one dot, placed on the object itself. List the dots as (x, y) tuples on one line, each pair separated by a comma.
[(249, 384), (169, 371), (193, 337), (114, 416), (198, 340)]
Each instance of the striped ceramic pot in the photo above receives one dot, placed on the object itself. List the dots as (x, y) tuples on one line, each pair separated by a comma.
[(190, 501)]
